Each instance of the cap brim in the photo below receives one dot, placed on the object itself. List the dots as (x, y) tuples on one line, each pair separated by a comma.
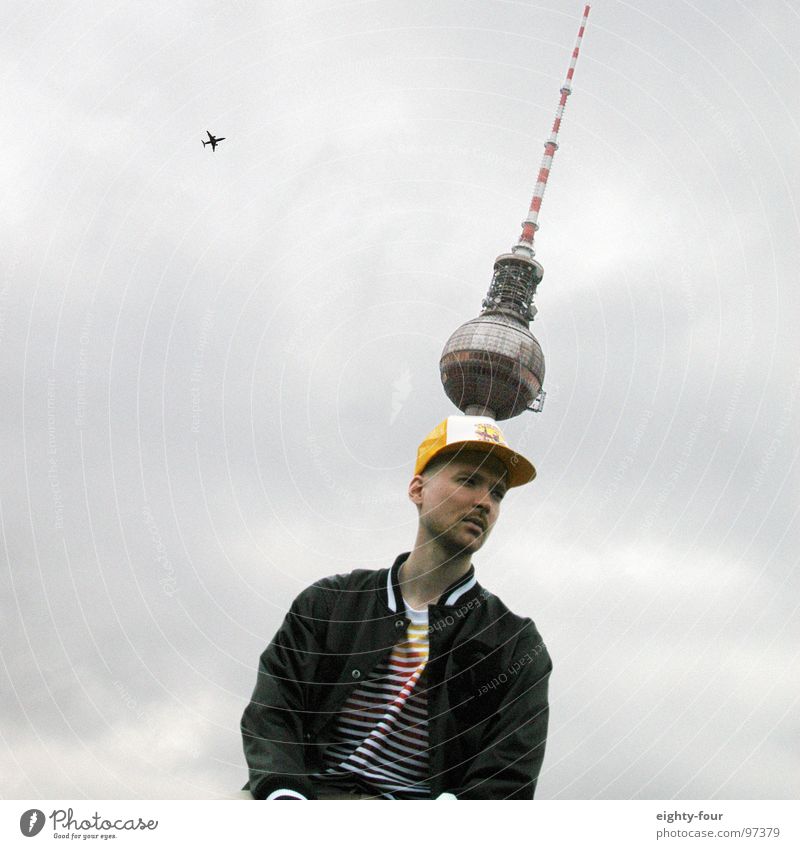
[(520, 471)]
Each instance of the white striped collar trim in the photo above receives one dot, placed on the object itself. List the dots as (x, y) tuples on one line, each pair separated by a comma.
[(470, 580), (390, 592), (459, 591)]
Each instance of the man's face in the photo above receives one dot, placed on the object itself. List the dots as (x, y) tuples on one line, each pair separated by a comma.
[(460, 501)]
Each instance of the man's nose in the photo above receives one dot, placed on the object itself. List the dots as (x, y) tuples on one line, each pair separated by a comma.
[(483, 499)]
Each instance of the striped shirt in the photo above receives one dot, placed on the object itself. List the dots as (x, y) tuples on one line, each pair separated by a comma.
[(380, 738)]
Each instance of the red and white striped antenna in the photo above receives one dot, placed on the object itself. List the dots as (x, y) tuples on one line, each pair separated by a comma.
[(530, 224)]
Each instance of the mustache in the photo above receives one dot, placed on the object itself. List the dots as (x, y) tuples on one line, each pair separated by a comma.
[(479, 520)]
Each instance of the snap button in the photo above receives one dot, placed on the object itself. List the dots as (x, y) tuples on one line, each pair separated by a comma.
[(399, 624), (356, 673)]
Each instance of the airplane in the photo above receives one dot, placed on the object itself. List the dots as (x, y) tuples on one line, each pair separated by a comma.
[(212, 141)]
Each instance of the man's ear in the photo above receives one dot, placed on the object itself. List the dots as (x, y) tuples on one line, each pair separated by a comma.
[(415, 489)]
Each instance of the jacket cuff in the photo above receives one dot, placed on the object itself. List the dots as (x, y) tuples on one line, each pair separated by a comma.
[(285, 786), (284, 793)]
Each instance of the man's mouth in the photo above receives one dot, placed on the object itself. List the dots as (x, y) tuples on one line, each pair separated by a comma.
[(476, 523)]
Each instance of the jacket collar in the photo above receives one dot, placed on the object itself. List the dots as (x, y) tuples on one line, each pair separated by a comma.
[(390, 586)]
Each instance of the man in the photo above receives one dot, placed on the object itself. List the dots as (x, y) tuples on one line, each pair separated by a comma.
[(410, 682)]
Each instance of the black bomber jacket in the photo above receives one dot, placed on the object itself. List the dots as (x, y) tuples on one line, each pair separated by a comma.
[(487, 677)]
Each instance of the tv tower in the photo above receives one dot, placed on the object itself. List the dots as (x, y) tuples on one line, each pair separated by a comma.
[(493, 365)]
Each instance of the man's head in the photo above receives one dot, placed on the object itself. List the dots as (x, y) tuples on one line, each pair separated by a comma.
[(458, 498), (464, 468)]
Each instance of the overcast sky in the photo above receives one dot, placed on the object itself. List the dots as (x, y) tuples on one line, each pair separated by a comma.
[(217, 366)]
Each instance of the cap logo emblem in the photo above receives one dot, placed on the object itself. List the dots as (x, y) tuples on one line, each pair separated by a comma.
[(489, 433)]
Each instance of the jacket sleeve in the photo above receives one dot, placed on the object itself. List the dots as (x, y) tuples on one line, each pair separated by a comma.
[(272, 724), (512, 748)]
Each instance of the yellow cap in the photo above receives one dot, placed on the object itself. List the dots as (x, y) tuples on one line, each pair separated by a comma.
[(475, 433)]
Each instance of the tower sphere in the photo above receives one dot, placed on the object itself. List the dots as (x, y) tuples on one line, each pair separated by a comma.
[(493, 365)]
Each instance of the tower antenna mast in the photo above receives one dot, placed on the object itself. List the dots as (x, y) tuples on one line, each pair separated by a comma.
[(493, 365), (530, 225)]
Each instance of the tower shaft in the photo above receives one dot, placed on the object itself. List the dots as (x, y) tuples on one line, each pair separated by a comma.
[(530, 225)]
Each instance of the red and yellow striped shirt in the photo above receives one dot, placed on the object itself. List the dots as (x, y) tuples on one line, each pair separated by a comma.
[(380, 738)]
